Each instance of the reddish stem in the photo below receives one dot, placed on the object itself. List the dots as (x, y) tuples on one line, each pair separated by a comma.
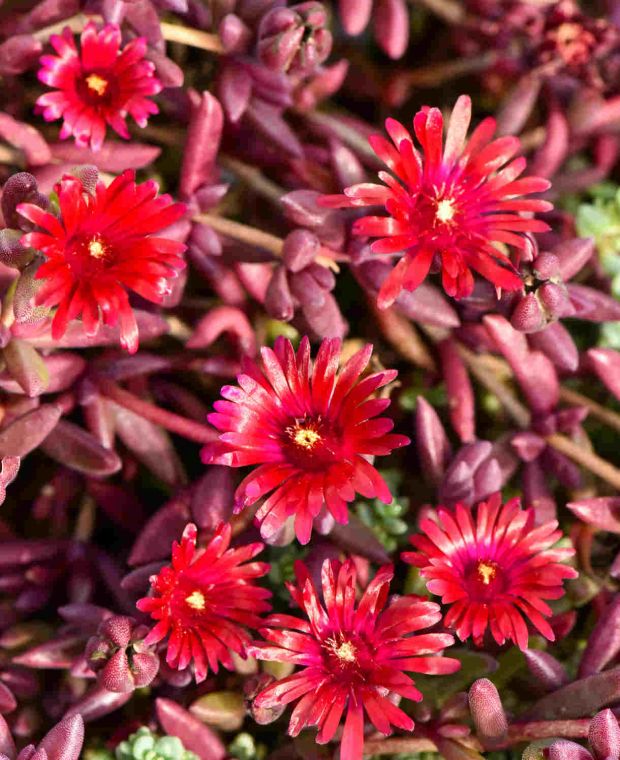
[(189, 429)]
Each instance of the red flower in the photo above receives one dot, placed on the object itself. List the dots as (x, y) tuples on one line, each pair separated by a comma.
[(99, 246), (448, 207), (351, 658), (97, 85), (494, 570), (205, 600), (310, 430)]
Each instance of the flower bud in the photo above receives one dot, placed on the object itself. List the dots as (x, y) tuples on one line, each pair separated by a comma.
[(278, 299), (12, 252), (546, 266), (234, 34), (604, 736), (300, 249), (294, 39), (118, 655), (487, 711), (251, 689), (528, 317), (554, 298), (20, 188)]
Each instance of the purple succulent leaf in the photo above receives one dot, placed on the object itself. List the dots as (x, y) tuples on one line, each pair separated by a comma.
[(603, 512), (432, 442), (156, 537), (64, 741), (357, 538), (577, 699), (604, 641), (391, 27), (518, 105), (8, 703), (79, 450), (202, 144), (573, 255), (547, 671), (461, 401), (557, 344), (196, 737), (97, 703), (533, 371), (28, 431), (593, 305), (606, 364), (149, 443), (25, 138)]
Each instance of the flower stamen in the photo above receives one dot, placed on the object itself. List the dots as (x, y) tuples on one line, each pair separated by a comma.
[(445, 211), (97, 248), (196, 600), (486, 572), (97, 84), (345, 651)]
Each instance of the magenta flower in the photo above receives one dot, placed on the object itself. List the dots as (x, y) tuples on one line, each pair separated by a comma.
[(494, 569), (352, 659), (100, 246), (205, 601), (310, 429), (98, 85), (448, 206)]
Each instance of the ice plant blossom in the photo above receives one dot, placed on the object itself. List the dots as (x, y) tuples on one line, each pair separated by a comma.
[(101, 245), (494, 569), (309, 428), (352, 658), (205, 601), (98, 85), (451, 207)]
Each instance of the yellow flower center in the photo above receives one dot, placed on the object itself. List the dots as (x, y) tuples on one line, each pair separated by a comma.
[(445, 211), (196, 600), (97, 84), (345, 651), (486, 572), (306, 437), (97, 249)]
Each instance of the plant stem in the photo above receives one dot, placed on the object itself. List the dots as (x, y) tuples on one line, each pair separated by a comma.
[(437, 74), (403, 336), (398, 744), (480, 370), (254, 178), (596, 410), (448, 10), (75, 23), (253, 236), (191, 37), (189, 429), (346, 133), (171, 33), (588, 459)]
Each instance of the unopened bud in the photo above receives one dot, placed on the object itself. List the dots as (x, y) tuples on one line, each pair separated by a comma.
[(251, 689), (604, 736), (487, 711), (300, 249), (528, 316), (546, 266)]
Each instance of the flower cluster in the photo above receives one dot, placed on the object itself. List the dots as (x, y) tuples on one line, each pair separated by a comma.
[(306, 430)]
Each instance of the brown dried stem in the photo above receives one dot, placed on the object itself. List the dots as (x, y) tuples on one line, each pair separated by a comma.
[(253, 236)]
